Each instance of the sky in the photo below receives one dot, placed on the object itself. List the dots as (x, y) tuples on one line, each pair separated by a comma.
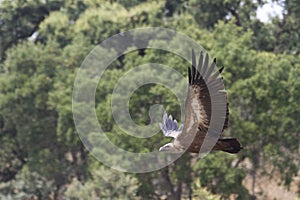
[(269, 10)]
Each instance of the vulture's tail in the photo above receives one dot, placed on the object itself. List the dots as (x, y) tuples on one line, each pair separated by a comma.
[(229, 145)]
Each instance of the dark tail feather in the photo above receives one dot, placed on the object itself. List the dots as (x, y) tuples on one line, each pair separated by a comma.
[(229, 145)]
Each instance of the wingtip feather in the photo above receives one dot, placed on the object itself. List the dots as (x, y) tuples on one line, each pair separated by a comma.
[(190, 75), (220, 70)]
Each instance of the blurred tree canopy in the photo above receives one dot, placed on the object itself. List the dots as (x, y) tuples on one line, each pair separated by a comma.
[(42, 45)]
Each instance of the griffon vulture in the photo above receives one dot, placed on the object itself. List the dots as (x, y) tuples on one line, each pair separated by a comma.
[(190, 135)]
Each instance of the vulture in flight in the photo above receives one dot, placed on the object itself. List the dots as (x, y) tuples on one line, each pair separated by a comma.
[(190, 135)]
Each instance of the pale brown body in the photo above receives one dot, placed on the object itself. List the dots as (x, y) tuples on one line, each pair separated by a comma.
[(198, 109)]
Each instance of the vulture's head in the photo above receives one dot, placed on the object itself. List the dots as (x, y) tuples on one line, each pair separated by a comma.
[(170, 147)]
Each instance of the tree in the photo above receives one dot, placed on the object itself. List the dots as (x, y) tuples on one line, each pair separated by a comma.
[(207, 13), (104, 184), (20, 19), (286, 30), (41, 154), (26, 82), (267, 113)]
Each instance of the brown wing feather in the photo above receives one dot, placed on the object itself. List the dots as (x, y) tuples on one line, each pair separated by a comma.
[(198, 104)]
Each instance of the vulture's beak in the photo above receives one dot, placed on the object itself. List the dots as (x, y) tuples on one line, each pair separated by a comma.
[(161, 149)]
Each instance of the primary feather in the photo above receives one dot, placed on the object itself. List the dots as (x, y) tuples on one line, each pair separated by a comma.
[(170, 126)]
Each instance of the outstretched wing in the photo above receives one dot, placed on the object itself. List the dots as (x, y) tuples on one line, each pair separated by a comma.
[(170, 126), (198, 102)]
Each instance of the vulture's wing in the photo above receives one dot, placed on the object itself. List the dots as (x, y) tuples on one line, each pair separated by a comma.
[(198, 101), (170, 126)]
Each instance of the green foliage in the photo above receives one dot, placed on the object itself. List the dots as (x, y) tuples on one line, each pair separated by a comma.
[(26, 185), (101, 22), (104, 184), (286, 30), (221, 180), (201, 193), (56, 27), (207, 13), (25, 82), (20, 19), (265, 109), (42, 45)]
